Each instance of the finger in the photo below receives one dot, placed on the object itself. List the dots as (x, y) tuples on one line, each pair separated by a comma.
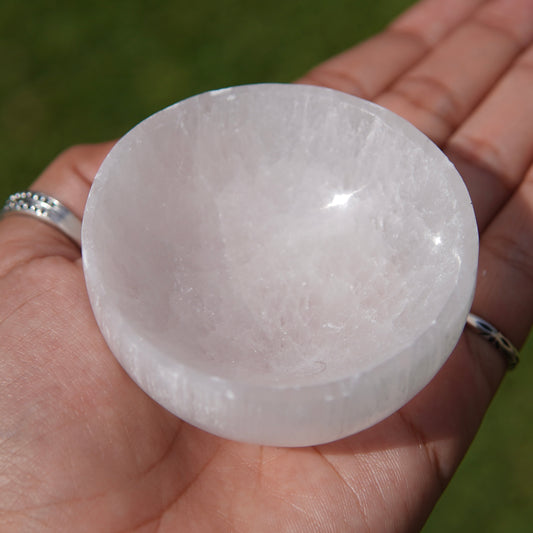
[(497, 141), (441, 91), (68, 178), (504, 293), (370, 67), (504, 297), (71, 174)]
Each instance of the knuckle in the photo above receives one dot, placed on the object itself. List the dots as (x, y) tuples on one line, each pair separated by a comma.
[(431, 96), (517, 31), (404, 34), (340, 80), (483, 154)]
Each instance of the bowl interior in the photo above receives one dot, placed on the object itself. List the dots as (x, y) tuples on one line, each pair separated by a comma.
[(277, 238)]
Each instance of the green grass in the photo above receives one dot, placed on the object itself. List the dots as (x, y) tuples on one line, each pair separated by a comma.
[(75, 72), (87, 71)]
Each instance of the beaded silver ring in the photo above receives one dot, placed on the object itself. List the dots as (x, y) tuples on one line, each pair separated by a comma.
[(46, 209)]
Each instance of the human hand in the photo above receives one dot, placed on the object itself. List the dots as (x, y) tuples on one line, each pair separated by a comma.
[(83, 448)]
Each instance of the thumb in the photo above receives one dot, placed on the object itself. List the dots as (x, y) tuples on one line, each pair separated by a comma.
[(68, 179)]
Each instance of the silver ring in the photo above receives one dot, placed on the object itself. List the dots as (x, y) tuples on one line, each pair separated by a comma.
[(496, 338), (46, 209)]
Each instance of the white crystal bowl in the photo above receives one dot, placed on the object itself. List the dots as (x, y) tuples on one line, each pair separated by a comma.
[(279, 264)]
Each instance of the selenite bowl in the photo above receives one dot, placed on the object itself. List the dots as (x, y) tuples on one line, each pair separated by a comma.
[(279, 264)]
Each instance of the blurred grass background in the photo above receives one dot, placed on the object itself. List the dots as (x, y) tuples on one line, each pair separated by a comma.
[(73, 72)]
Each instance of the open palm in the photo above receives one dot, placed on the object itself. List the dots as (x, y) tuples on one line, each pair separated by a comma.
[(82, 448)]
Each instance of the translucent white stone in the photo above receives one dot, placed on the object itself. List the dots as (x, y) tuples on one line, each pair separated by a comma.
[(279, 264)]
